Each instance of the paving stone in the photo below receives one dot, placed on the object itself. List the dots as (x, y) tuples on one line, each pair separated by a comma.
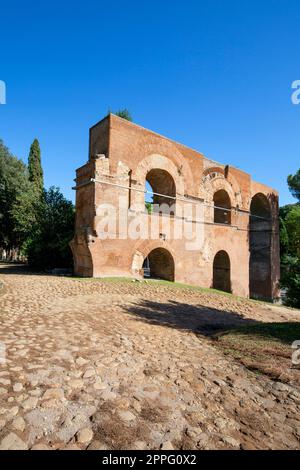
[(53, 393), (167, 446), (30, 403), (17, 387), (40, 447), (19, 424), (80, 361), (4, 381), (76, 383), (97, 445), (89, 373), (2, 423), (126, 415), (71, 447), (12, 442), (231, 441), (14, 411), (84, 436)]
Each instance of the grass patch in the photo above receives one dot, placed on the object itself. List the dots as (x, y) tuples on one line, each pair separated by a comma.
[(171, 285), (161, 282), (263, 348), (286, 332)]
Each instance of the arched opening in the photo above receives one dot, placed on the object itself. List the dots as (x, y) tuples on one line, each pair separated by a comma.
[(162, 184), (260, 232), (159, 264), (221, 272), (222, 207)]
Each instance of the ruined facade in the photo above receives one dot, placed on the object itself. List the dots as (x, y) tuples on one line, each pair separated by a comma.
[(239, 249)]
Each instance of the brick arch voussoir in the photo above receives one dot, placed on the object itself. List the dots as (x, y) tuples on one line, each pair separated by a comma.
[(158, 161), (229, 184), (147, 246), (220, 184), (171, 158)]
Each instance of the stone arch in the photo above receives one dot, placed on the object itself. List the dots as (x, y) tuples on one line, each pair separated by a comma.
[(161, 182), (222, 207), (221, 272), (215, 181), (214, 169), (260, 241), (156, 161), (161, 264), (143, 249)]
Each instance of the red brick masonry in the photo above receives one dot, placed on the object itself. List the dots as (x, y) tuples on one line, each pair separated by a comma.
[(238, 253)]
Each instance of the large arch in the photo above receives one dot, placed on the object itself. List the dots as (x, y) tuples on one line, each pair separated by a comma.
[(222, 207), (221, 272), (163, 185), (214, 181), (154, 163), (159, 264), (260, 236)]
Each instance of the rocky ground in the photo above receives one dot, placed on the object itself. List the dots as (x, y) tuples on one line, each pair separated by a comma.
[(96, 364)]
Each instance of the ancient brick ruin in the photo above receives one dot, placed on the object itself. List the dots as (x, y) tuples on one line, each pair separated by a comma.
[(239, 252)]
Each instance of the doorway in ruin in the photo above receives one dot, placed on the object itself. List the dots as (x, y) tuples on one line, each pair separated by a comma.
[(221, 272), (222, 207), (159, 264), (163, 185), (260, 236)]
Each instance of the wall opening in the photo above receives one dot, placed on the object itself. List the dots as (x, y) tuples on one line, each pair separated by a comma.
[(159, 264), (260, 235), (222, 212), (160, 182), (221, 272)]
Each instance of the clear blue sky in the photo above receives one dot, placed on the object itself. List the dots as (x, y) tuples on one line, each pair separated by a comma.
[(215, 76)]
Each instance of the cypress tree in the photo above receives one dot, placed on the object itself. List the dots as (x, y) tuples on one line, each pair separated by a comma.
[(35, 166)]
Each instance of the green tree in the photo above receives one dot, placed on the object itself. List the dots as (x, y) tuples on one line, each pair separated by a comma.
[(35, 166), (292, 224), (290, 280), (290, 244), (124, 114), (294, 184), (13, 183), (25, 210), (48, 246)]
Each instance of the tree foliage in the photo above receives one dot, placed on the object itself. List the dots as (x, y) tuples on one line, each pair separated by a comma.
[(294, 184), (124, 114), (290, 244), (48, 245), (35, 166), (13, 183), (34, 222)]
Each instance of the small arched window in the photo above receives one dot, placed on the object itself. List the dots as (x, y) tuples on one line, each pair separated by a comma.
[(260, 241), (159, 264), (221, 272), (161, 183), (222, 208)]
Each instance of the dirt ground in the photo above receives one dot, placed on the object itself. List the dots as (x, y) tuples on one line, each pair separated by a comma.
[(103, 364)]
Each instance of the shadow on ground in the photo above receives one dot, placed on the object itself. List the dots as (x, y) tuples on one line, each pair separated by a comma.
[(17, 268), (263, 348), (210, 322)]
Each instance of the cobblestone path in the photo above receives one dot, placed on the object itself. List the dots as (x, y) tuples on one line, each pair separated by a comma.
[(95, 364)]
